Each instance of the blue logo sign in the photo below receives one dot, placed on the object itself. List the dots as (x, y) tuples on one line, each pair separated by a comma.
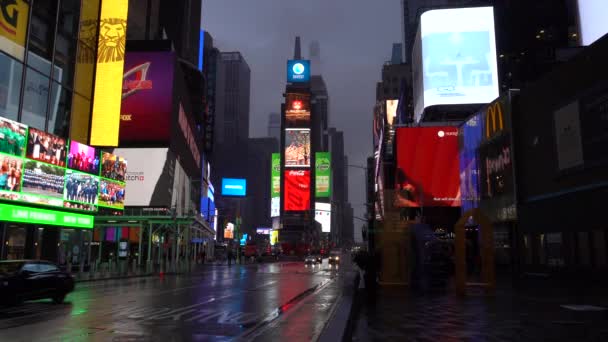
[(234, 187), (298, 71)]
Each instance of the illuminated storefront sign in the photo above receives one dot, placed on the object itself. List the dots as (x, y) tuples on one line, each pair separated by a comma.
[(15, 213), (109, 72), (298, 71), (234, 187), (13, 27), (297, 190), (494, 119)]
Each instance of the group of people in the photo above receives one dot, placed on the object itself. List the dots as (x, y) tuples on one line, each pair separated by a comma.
[(45, 147), (10, 174), (297, 154), (113, 169), (43, 181), (79, 206), (12, 138), (80, 161), (111, 193), (81, 190)]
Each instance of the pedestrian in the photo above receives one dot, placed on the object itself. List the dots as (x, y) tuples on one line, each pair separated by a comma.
[(203, 256)]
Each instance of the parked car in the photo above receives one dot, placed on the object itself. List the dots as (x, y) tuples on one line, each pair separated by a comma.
[(22, 280)]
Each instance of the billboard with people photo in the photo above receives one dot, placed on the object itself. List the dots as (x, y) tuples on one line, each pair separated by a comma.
[(113, 167), (83, 158), (81, 188), (10, 173), (12, 137), (46, 147), (112, 194), (43, 179), (297, 147)]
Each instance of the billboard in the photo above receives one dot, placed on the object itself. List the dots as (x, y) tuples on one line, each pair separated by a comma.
[(274, 237), (14, 213), (297, 147), (229, 231), (322, 174), (263, 231), (111, 194), (470, 136), (427, 167), (298, 71), (81, 190), (46, 147), (83, 158), (109, 72), (323, 216), (592, 20), (236, 187), (113, 167), (275, 185), (13, 27), (455, 58), (391, 111), (297, 190), (147, 97), (297, 110)]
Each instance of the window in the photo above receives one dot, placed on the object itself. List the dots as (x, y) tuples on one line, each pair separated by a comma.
[(47, 268), (584, 257), (30, 268), (67, 40), (42, 30), (35, 99), (59, 116), (10, 86)]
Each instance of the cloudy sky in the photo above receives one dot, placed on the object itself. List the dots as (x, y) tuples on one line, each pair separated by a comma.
[(356, 38)]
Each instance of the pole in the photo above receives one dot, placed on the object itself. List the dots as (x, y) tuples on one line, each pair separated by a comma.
[(141, 241), (238, 231), (148, 266)]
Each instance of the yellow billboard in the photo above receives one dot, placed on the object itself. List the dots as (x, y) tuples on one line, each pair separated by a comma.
[(13, 27), (109, 71)]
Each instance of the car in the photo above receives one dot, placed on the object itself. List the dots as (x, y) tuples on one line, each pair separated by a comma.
[(334, 258), (22, 280), (310, 260)]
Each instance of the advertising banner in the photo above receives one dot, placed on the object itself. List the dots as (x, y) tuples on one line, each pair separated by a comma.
[(592, 20), (470, 136), (297, 147), (147, 96), (46, 147), (275, 180), (81, 190), (298, 71), (297, 110), (109, 72), (391, 111), (83, 158), (113, 167), (112, 194), (323, 174), (236, 187), (13, 27), (297, 190), (323, 216), (497, 179), (427, 167), (14, 213)]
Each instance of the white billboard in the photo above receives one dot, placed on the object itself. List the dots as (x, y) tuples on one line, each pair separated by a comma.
[(147, 184), (323, 216), (592, 20), (275, 207), (391, 111), (456, 58)]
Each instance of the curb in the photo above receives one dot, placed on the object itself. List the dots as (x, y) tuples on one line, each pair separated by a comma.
[(340, 325), (124, 277)]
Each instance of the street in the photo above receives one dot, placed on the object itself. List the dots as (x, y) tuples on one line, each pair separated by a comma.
[(265, 302)]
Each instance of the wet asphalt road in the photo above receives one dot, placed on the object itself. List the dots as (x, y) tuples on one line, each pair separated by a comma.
[(267, 302)]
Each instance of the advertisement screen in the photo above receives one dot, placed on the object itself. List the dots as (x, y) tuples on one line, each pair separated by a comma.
[(12, 137), (83, 158), (113, 167), (427, 167), (234, 187), (275, 207), (297, 147), (81, 190), (147, 97), (323, 174), (10, 173), (297, 190), (297, 110), (13, 27), (274, 237), (111, 194), (43, 179), (470, 136), (391, 111), (458, 57), (323, 216), (109, 72), (46, 147), (262, 231), (592, 19), (275, 175), (229, 231), (14, 213), (298, 71)]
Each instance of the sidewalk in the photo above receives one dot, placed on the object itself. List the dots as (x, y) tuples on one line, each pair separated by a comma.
[(439, 315)]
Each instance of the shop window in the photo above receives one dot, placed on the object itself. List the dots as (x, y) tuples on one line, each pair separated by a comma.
[(59, 118), (15, 242), (35, 99), (11, 72), (584, 257), (527, 250), (599, 248)]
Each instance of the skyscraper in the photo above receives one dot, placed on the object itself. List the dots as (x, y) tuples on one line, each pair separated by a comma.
[(274, 126)]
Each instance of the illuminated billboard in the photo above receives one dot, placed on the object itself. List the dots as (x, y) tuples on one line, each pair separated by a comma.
[(234, 187), (111, 194), (427, 167), (455, 58), (147, 178), (391, 111), (297, 110), (46, 147), (470, 136), (322, 174), (297, 147), (275, 185), (298, 71), (297, 190), (13, 27), (323, 216), (14, 213), (83, 158), (109, 72), (147, 97), (113, 167), (592, 19), (229, 231), (81, 190)]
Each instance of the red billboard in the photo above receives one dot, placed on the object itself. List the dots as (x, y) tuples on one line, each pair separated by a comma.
[(297, 190), (427, 167)]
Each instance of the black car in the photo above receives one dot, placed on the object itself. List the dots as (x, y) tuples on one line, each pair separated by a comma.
[(22, 280)]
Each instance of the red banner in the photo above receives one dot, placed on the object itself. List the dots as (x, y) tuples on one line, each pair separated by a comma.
[(297, 190)]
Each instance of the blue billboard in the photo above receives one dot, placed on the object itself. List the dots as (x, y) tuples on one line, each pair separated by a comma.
[(471, 135), (234, 187), (298, 71)]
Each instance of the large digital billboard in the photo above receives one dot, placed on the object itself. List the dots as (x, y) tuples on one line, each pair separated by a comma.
[(113, 167), (322, 174), (323, 216), (592, 19), (275, 185), (83, 158), (470, 136), (297, 147), (14, 213), (236, 187), (147, 97), (12, 137), (111, 44), (298, 71), (111, 194), (46, 147), (297, 110), (457, 53), (391, 111), (297, 190), (427, 167), (14, 17)]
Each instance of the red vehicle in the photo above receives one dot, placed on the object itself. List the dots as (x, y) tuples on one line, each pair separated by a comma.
[(251, 249)]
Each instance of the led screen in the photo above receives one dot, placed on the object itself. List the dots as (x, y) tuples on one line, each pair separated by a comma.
[(297, 190), (13, 27), (470, 137), (297, 147), (15, 213), (46, 147), (323, 216), (298, 71), (592, 19), (81, 190), (113, 167), (427, 167), (322, 174), (111, 194), (43, 179), (12, 137), (297, 110), (391, 111), (458, 58), (234, 187), (229, 231), (83, 158)]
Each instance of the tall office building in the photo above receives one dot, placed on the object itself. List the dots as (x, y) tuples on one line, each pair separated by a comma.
[(314, 51), (320, 104), (274, 126), (339, 183)]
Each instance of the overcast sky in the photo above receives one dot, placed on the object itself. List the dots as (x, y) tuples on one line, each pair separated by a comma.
[(356, 38)]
